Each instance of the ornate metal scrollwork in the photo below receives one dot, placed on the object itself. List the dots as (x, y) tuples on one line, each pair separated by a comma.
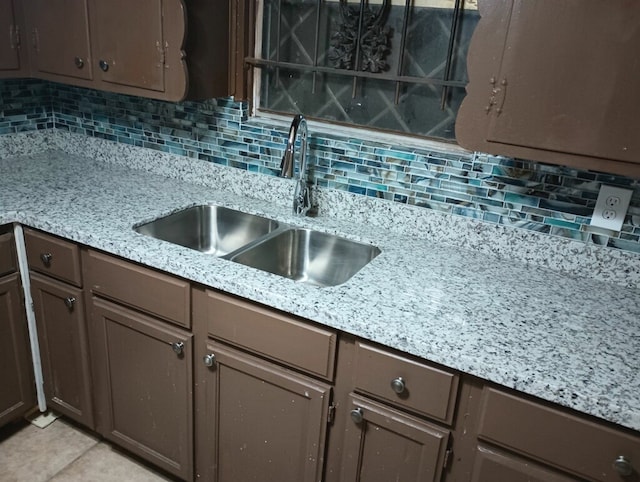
[(375, 39)]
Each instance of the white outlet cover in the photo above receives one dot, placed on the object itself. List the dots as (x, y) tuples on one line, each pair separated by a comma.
[(611, 207)]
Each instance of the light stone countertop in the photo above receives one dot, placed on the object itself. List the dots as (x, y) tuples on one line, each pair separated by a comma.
[(564, 338)]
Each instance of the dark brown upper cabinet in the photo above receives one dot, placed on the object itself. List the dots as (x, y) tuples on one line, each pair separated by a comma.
[(59, 36), (13, 59), (162, 49), (555, 82), (138, 44)]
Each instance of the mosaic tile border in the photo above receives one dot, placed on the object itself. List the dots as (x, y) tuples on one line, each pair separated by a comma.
[(547, 199)]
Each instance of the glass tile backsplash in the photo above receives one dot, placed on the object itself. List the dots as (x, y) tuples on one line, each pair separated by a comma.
[(549, 199)]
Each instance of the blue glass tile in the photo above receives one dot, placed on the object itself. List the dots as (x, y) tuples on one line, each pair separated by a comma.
[(561, 223)]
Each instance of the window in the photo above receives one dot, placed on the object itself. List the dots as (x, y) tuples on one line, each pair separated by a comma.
[(394, 65)]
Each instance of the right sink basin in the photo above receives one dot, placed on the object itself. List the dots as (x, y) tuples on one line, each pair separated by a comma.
[(309, 256)]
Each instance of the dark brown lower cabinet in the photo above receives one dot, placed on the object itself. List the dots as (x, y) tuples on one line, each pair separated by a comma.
[(258, 421), (144, 385), (17, 395), (64, 350), (382, 443)]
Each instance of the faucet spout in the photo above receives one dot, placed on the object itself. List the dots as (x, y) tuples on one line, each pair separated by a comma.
[(301, 198)]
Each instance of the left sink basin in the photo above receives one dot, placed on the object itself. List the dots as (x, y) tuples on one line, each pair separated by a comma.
[(210, 229)]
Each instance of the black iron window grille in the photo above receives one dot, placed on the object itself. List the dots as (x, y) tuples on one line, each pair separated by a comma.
[(395, 65)]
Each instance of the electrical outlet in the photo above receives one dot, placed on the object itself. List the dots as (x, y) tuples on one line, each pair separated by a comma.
[(611, 207)]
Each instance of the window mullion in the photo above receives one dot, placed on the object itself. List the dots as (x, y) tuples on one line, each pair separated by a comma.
[(403, 42), (452, 40)]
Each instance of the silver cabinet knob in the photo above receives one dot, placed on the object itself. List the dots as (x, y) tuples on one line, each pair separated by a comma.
[(357, 415), (69, 302), (104, 65), (46, 259), (397, 385), (209, 359), (178, 347), (623, 466), (79, 61)]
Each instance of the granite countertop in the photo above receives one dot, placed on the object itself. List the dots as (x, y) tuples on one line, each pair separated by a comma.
[(566, 339)]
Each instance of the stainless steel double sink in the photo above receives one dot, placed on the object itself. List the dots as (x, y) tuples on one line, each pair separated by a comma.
[(300, 254)]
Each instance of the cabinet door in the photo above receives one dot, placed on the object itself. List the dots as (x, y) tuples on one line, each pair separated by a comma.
[(62, 336), (59, 32), (9, 37), (144, 383), (565, 90), (259, 421), (16, 375), (382, 443), (138, 44)]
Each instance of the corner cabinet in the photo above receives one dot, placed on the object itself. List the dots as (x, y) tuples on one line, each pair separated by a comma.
[(16, 375), (56, 289), (162, 49), (541, 89)]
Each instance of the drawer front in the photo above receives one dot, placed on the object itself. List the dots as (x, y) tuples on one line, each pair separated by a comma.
[(156, 293), (493, 465), (555, 437), (404, 382), (7, 255), (268, 333), (53, 256)]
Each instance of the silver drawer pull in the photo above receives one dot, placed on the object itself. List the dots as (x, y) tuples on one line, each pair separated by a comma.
[(209, 359), (398, 385), (357, 415), (178, 347), (623, 466), (46, 259), (69, 302)]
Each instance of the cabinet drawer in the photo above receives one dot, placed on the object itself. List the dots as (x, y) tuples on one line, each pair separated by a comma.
[(53, 256), (493, 465), (7, 257), (566, 441), (267, 332), (159, 294), (422, 388)]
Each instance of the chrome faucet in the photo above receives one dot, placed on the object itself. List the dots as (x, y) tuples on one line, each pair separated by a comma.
[(301, 198)]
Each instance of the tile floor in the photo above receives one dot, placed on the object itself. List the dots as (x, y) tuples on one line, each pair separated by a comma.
[(63, 452)]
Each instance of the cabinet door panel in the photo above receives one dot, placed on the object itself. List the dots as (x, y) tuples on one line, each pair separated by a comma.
[(563, 90), (7, 254), (9, 53), (390, 445), (145, 386), (18, 390), (60, 38), (128, 37), (62, 337), (262, 422)]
